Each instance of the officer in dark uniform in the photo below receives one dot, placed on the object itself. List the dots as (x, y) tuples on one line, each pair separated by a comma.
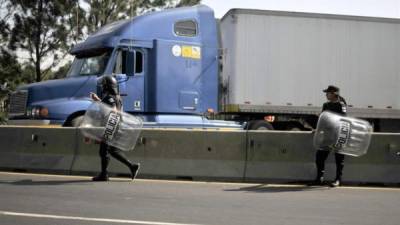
[(336, 104), (111, 97)]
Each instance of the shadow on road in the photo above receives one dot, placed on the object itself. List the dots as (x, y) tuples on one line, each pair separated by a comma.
[(45, 182), (265, 188)]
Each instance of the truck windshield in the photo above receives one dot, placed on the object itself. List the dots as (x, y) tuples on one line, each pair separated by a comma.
[(86, 66)]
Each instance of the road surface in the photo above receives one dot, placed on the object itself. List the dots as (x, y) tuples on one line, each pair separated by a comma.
[(34, 199)]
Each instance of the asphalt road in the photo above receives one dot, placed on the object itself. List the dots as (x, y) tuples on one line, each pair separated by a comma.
[(29, 199)]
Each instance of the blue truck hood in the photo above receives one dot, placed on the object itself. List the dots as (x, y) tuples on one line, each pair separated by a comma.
[(62, 88)]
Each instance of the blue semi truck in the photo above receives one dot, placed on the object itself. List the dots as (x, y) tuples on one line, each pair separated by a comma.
[(166, 64), (260, 69)]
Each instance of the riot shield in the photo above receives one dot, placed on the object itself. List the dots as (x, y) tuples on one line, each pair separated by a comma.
[(116, 128), (345, 135)]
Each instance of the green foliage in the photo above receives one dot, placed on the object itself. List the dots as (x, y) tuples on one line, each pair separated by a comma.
[(9, 68), (12, 74), (61, 72), (43, 29), (188, 3), (102, 12)]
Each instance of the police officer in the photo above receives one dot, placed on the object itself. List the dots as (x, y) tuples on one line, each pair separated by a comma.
[(111, 97), (336, 104)]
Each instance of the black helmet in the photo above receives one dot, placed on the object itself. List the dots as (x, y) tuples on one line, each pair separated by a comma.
[(332, 89), (109, 84)]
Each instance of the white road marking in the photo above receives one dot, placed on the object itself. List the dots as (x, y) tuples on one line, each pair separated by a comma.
[(199, 182), (47, 216)]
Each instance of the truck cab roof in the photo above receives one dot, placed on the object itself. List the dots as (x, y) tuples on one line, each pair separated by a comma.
[(154, 25)]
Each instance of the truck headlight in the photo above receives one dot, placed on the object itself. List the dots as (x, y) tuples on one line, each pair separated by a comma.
[(35, 111)]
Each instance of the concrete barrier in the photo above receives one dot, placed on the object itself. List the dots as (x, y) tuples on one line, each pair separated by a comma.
[(282, 156), (32, 148), (199, 154), (290, 156), (380, 165), (11, 147), (177, 153), (207, 154)]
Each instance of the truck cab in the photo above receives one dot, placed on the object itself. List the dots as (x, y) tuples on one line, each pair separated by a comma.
[(166, 64)]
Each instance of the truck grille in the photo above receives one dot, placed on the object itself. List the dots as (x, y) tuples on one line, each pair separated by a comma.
[(18, 102)]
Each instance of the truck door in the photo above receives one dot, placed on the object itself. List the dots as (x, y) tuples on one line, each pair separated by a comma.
[(129, 71)]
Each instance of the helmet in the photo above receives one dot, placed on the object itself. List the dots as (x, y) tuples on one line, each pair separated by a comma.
[(109, 84), (332, 89)]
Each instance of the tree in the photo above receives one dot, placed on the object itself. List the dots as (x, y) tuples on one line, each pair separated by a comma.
[(9, 65), (102, 12), (187, 3), (9, 69), (44, 30), (40, 32), (62, 71)]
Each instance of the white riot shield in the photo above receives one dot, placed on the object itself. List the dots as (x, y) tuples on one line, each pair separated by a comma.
[(116, 128), (345, 135)]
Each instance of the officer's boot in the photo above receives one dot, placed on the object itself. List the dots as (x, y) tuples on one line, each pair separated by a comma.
[(100, 177), (134, 168), (338, 180), (103, 175), (320, 177), (339, 159), (320, 163)]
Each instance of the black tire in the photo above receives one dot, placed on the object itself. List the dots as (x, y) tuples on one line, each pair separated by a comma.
[(260, 125), (294, 127), (77, 121)]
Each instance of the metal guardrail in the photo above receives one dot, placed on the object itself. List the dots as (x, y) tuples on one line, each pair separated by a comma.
[(213, 155)]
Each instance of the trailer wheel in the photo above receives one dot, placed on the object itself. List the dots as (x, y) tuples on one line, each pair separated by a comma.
[(293, 127), (260, 125)]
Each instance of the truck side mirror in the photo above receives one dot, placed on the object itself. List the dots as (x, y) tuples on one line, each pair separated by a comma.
[(121, 78)]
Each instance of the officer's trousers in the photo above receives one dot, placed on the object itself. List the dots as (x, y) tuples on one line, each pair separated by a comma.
[(321, 157), (105, 152)]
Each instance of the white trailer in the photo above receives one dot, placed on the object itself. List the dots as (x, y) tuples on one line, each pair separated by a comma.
[(277, 63)]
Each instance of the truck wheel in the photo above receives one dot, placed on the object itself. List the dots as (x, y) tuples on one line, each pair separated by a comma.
[(293, 128), (77, 121), (260, 125)]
